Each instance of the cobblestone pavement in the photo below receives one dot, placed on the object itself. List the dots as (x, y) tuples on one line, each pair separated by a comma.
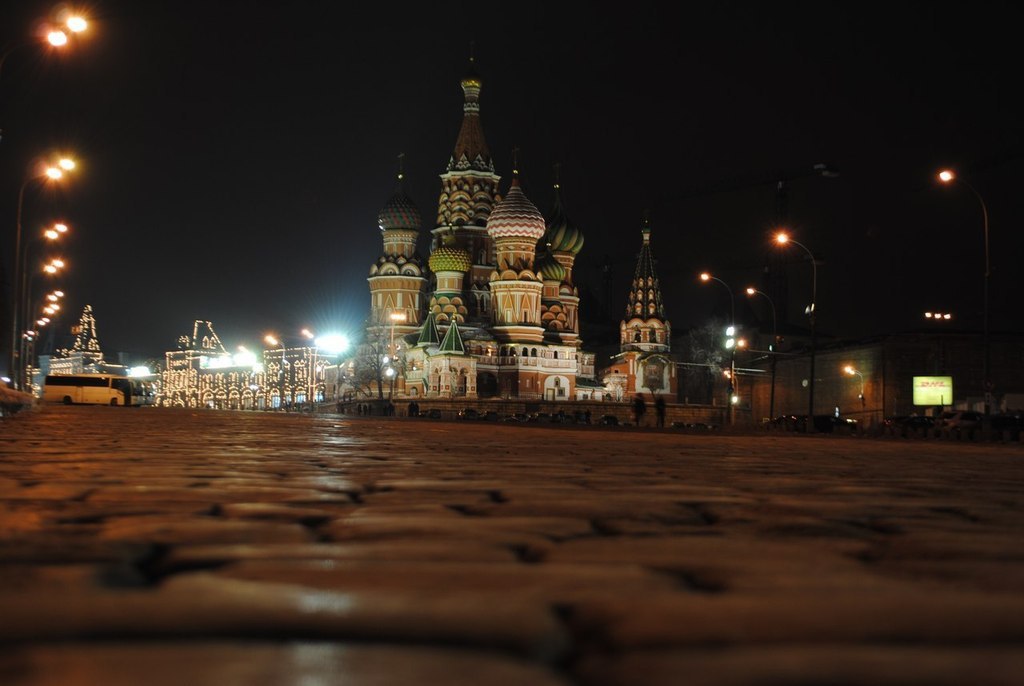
[(146, 546)]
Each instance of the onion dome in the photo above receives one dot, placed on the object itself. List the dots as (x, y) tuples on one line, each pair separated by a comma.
[(450, 259), (562, 235), (515, 216), (400, 211), (550, 269)]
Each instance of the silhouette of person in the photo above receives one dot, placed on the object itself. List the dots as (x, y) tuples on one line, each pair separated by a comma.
[(659, 409), (639, 408)]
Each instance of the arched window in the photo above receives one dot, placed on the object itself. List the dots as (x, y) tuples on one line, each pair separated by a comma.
[(533, 352), (526, 353)]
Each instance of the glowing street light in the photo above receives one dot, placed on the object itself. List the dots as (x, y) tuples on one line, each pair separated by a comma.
[(729, 332), (948, 177), (783, 238), (55, 37), (39, 173), (76, 24), (853, 372), (751, 291)]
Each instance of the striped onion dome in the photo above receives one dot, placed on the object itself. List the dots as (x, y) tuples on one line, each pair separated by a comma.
[(399, 213), (515, 216), (448, 258), (550, 269), (563, 235)]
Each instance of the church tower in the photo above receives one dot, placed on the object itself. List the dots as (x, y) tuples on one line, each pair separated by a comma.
[(469, 192), (643, 366), (397, 283), (515, 226), (560, 244), (645, 327)]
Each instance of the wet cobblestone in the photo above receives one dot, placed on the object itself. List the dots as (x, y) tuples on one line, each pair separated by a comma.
[(140, 545)]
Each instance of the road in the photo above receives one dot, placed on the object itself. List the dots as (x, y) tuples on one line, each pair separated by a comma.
[(150, 546)]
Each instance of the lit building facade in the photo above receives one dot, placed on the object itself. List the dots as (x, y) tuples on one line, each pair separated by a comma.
[(644, 365), (202, 373), (495, 313)]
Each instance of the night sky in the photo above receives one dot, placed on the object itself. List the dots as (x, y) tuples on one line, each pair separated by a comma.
[(234, 155)]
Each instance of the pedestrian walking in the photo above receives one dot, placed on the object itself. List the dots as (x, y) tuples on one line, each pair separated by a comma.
[(659, 410), (639, 408)]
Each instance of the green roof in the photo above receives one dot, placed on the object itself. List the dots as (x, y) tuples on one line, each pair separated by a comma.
[(452, 342), (428, 333)]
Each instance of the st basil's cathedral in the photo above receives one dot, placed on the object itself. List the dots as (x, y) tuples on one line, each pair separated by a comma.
[(494, 312)]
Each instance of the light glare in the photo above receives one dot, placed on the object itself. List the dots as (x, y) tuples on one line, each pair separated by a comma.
[(332, 344), (946, 175), (77, 24), (57, 38)]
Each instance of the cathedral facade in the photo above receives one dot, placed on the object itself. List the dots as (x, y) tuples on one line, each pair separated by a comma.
[(493, 311)]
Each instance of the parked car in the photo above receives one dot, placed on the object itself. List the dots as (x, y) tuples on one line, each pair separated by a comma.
[(469, 413), (489, 416), (914, 421), (964, 420), (516, 418), (823, 423), (539, 417), (1010, 423), (608, 420), (431, 414)]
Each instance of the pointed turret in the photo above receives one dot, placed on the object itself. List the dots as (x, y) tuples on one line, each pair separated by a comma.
[(429, 334), (471, 147), (452, 343), (645, 326)]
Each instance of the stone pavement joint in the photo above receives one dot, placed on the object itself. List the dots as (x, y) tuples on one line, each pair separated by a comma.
[(142, 545)]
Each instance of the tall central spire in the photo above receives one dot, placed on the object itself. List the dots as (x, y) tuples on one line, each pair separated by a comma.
[(471, 150)]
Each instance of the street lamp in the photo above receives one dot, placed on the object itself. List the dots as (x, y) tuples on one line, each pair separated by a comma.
[(270, 339), (41, 173), (55, 37), (947, 177), (775, 344), (783, 238), (395, 317), (938, 316), (729, 343), (26, 349), (853, 372), (51, 234)]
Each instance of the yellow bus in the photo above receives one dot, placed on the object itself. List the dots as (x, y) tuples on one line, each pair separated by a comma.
[(93, 389)]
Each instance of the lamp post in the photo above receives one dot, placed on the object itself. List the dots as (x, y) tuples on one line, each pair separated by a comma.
[(392, 371), (730, 343), (270, 339), (394, 317), (56, 37), (42, 174), (49, 307), (853, 372), (775, 344), (947, 176), (27, 335), (783, 238), (51, 234)]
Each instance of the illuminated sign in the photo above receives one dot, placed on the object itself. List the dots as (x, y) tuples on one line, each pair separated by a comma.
[(933, 390)]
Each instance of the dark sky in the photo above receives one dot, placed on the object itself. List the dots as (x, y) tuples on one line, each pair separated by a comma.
[(235, 154)]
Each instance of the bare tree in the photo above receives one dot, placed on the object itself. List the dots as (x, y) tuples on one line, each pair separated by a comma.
[(372, 360), (706, 353)]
